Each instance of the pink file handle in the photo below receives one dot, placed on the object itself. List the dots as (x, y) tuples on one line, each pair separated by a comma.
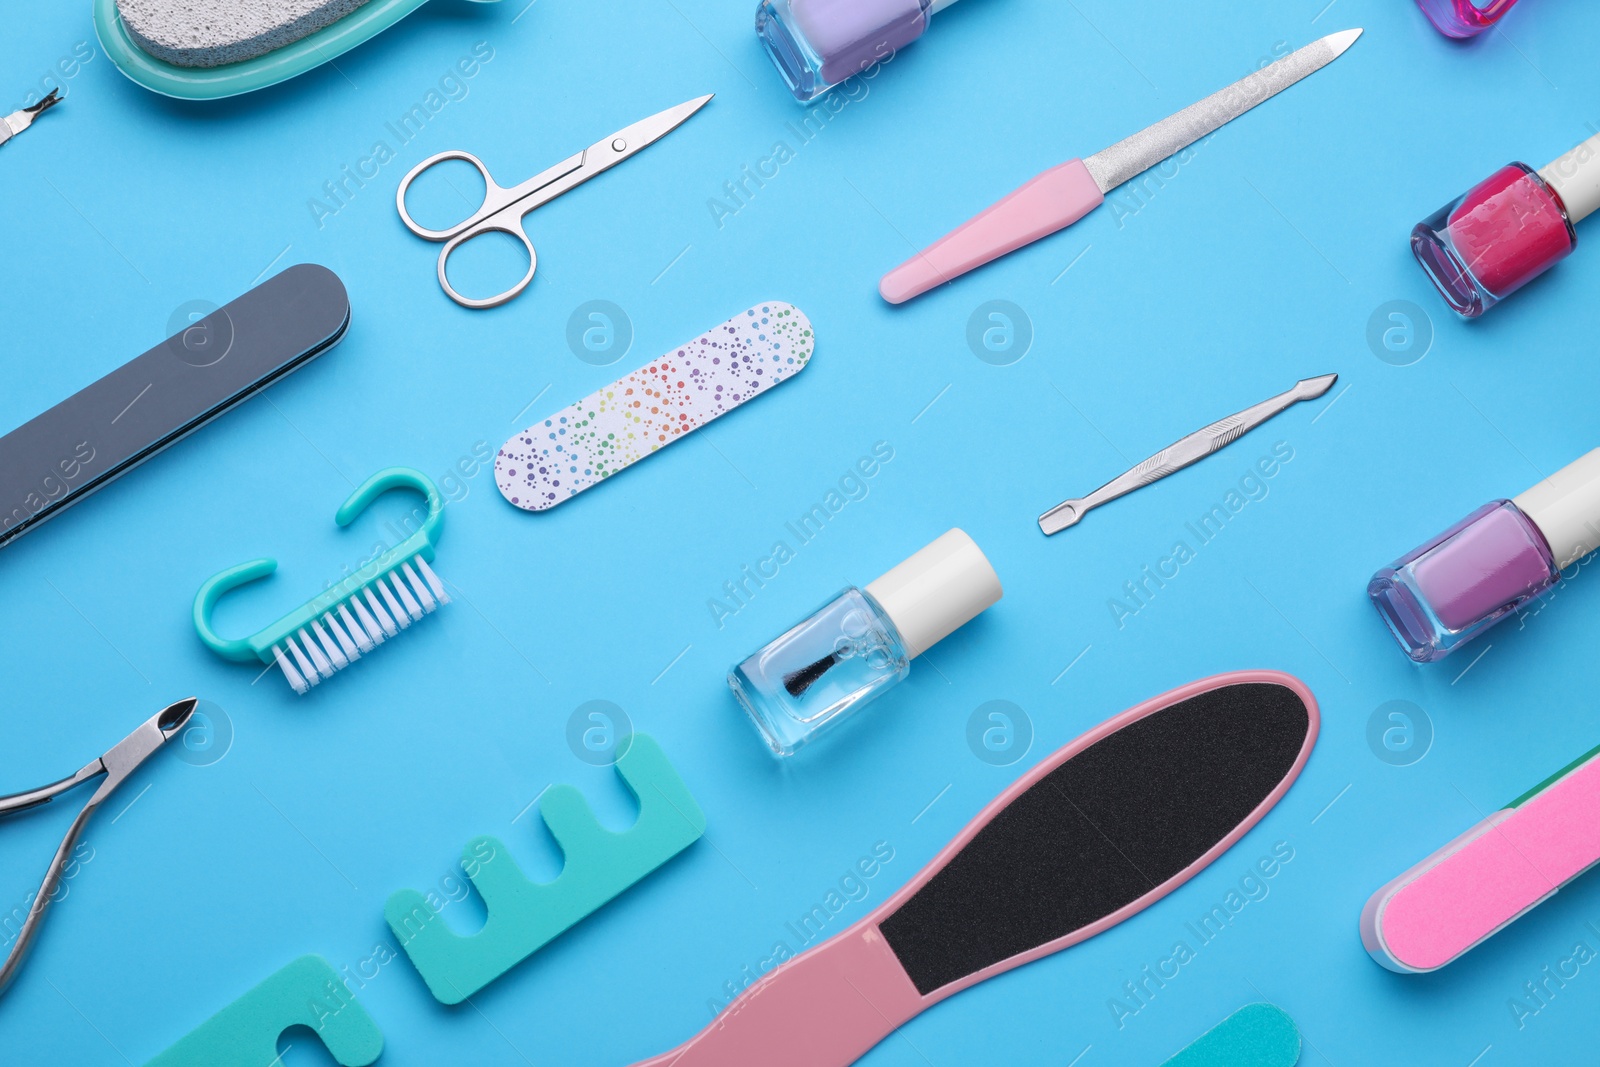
[(825, 1007), (1053, 201)]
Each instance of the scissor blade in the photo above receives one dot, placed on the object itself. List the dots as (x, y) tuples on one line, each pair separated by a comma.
[(605, 154)]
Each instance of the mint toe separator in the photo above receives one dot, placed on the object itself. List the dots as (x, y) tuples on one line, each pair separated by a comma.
[(308, 992), (260, 646), (524, 916)]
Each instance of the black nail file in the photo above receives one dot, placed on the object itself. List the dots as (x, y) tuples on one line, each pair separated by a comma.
[(1100, 830), (123, 419)]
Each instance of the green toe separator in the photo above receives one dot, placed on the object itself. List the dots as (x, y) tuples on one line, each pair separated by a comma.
[(1257, 1035), (260, 646), (308, 992), (525, 916)]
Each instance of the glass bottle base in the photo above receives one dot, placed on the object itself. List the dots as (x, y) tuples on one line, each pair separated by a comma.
[(1464, 18), (820, 672), (1408, 620), (1448, 274), (1443, 593), (797, 63), (1485, 245), (781, 734), (816, 44)]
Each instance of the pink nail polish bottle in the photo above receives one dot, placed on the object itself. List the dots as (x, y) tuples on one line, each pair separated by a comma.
[(1508, 229), (1464, 18), (1498, 559)]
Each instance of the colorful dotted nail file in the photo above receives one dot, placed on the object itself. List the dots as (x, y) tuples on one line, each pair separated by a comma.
[(615, 427), (524, 916), (307, 992)]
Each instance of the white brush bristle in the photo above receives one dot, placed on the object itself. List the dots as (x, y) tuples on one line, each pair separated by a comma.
[(395, 610), (433, 580), (359, 624), (356, 629), (412, 607), (419, 587), (385, 627), (329, 646), (295, 679)]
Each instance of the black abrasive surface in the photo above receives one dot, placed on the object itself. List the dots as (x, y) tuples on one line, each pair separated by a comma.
[(1103, 829)]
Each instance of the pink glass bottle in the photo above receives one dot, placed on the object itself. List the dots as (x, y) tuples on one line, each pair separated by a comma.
[(1508, 229), (1464, 18), (1452, 587)]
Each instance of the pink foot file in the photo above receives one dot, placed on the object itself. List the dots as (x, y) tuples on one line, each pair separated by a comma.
[(615, 427), (1490, 876), (1095, 833)]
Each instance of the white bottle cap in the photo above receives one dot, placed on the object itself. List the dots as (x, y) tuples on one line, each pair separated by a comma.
[(939, 5), (1566, 508), (1576, 179), (938, 590)]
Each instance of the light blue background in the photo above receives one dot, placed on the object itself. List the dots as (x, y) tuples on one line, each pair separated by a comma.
[(1258, 263)]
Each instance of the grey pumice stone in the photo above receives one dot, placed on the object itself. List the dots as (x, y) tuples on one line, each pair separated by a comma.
[(210, 33)]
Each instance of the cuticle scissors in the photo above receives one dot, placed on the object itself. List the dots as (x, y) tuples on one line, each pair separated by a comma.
[(120, 761), (503, 209)]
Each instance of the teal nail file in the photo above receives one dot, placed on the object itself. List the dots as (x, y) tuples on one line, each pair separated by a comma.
[(1257, 1035), (307, 992), (524, 916)]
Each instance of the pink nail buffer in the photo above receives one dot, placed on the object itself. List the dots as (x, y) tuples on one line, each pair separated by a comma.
[(1490, 876), (561, 456), (1095, 833)]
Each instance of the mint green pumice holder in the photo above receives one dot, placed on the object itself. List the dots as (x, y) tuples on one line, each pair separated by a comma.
[(248, 75), (383, 596)]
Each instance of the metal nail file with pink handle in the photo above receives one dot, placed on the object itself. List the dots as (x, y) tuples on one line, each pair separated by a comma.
[(1095, 833), (1066, 193)]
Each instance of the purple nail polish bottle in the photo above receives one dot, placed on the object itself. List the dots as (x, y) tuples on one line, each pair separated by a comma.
[(1447, 591), (816, 44)]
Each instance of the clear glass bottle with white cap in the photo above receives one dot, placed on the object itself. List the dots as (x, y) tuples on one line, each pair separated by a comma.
[(862, 642)]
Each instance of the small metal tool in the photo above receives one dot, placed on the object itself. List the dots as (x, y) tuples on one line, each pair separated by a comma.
[(117, 764), (502, 209), (18, 121), (1179, 455)]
